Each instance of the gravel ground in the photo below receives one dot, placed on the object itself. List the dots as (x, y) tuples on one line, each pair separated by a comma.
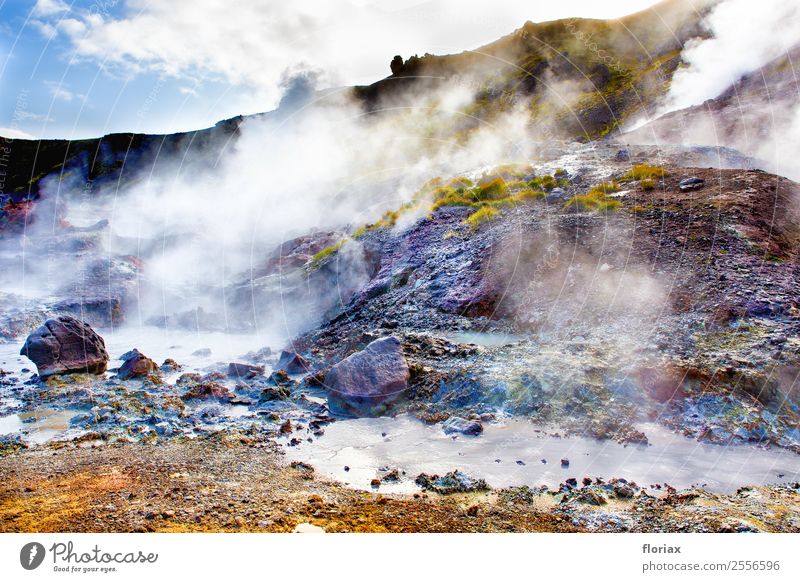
[(233, 482)]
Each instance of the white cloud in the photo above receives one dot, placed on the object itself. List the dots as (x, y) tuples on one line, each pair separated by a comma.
[(45, 28), (74, 28), (49, 8), (252, 44), (61, 92), (14, 133), (24, 115)]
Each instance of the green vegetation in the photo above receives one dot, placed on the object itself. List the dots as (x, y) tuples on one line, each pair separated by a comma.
[(450, 197), (596, 199), (517, 171), (495, 189), (459, 184), (325, 253), (645, 171), (528, 195), (482, 215), (647, 184), (545, 183), (517, 186)]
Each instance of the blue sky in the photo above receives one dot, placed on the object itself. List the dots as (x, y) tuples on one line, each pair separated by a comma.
[(82, 68)]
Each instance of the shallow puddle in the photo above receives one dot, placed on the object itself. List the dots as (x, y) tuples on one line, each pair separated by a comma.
[(38, 426), (512, 453)]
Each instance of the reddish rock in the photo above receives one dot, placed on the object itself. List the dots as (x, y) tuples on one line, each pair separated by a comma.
[(206, 390), (136, 365), (66, 345)]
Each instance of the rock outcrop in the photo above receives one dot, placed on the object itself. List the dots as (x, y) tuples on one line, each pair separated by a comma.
[(369, 382), (66, 345)]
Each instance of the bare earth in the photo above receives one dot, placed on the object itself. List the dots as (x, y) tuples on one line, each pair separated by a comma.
[(230, 482)]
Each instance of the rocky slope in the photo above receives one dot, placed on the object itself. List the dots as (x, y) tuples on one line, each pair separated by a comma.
[(674, 304)]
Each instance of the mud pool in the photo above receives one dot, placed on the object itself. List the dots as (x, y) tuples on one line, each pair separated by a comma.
[(512, 452)]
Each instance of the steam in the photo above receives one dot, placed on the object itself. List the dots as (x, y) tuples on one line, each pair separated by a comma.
[(202, 237), (748, 61), (745, 36)]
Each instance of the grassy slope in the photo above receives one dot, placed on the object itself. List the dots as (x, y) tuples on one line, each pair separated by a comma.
[(576, 78)]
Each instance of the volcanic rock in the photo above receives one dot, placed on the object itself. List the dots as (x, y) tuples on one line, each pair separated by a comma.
[(66, 345), (292, 363), (136, 365), (455, 424), (245, 371), (691, 184), (368, 382)]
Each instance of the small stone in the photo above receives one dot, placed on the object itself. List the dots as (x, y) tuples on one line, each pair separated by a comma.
[(244, 371), (692, 183), (457, 425)]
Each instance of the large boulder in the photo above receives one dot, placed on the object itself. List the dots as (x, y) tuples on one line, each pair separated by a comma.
[(65, 345), (369, 382)]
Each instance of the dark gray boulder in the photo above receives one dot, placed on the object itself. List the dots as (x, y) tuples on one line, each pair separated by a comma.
[(65, 345), (369, 382), (692, 183), (458, 425)]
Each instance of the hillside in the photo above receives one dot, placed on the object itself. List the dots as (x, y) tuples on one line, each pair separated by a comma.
[(756, 115), (574, 79)]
